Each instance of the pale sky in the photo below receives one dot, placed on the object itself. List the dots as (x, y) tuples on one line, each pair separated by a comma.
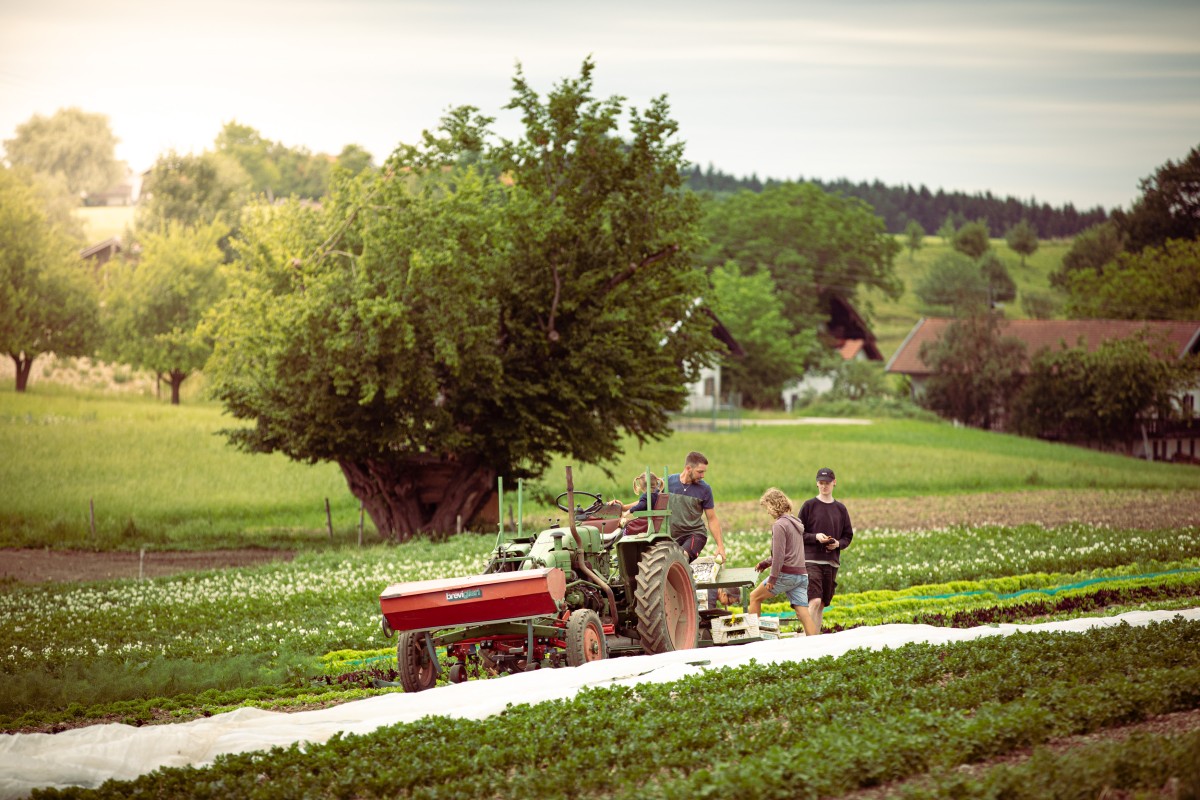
[(1062, 100)]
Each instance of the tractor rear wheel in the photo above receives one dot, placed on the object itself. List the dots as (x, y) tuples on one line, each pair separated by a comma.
[(416, 668), (665, 600), (585, 638)]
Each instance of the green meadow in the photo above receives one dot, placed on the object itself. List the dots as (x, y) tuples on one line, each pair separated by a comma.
[(163, 476), (891, 320)]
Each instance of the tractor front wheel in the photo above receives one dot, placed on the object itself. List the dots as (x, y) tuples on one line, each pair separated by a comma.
[(665, 600), (585, 638), (416, 668)]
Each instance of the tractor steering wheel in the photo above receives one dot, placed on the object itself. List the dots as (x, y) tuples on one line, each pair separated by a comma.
[(597, 504)]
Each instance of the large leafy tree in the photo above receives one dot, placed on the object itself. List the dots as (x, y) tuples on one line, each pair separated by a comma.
[(154, 304), (1022, 238), (1155, 283), (1169, 207), (815, 246), (1093, 249), (1101, 396), (953, 284), (48, 301), (973, 239), (773, 354), (74, 145), (914, 238), (193, 190), (275, 169), (1000, 285), (976, 371), (473, 309)]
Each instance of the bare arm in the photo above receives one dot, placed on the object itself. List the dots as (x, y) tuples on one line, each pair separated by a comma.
[(714, 527)]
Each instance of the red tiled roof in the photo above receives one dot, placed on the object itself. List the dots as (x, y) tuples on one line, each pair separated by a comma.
[(850, 348), (1181, 337)]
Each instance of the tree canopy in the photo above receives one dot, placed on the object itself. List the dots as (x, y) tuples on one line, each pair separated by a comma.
[(1092, 250), (473, 309), (275, 169), (914, 238), (1156, 283), (953, 284), (72, 144), (815, 245), (48, 301), (1022, 238), (973, 239), (898, 205), (975, 370), (1100, 396), (193, 190), (1169, 207), (774, 355), (154, 304)]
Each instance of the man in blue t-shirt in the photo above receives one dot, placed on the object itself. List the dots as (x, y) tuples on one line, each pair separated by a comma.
[(691, 504)]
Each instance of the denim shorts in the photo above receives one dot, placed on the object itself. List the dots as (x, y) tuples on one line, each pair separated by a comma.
[(795, 587)]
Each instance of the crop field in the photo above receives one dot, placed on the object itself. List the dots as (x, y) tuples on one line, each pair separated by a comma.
[(954, 528)]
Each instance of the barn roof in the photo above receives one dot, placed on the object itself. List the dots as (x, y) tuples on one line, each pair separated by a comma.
[(1180, 338)]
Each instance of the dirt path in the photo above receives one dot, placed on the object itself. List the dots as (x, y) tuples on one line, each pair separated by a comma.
[(37, 566), (1131, 509)]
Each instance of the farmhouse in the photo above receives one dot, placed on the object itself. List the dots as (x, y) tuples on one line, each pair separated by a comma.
[(1163, 440), (847, 333)]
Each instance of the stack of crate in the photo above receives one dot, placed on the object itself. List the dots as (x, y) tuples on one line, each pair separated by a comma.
[(735, 628)]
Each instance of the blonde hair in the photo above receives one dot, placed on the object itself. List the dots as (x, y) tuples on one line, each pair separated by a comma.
[(775, 502), (639, 483)]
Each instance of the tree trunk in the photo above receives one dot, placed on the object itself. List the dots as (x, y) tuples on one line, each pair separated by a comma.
[(177, 379), (23, 365), (408, 496)]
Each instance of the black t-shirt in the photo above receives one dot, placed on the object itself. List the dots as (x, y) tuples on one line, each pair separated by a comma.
[(831, 519)]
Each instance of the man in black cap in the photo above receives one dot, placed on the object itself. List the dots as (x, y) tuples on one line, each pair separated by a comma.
[(827, 532)]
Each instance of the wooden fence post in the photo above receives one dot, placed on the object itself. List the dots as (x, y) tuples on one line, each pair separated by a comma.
[(92, 516), (329, 519)]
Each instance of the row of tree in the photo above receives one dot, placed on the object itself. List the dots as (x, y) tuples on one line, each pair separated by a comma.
[(471, 309), (900, 205), (1072, 393), (1141, 264)]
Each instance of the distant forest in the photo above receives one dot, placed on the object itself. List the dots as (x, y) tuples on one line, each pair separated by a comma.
[(897, 205)]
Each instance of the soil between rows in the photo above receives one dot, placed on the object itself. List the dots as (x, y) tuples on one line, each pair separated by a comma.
[(1127, 509)]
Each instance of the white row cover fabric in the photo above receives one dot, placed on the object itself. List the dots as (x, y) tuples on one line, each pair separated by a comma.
[(89, 756)]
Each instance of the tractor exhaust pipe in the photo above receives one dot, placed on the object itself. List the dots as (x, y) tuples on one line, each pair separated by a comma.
[(577, 558)]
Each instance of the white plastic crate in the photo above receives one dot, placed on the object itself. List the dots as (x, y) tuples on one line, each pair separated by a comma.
[(705, 569), (735, 628)]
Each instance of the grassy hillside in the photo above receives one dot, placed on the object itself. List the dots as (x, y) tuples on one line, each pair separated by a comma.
[(162, 475), (893, 319)]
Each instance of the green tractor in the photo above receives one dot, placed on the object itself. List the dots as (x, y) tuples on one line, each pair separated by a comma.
[(563, 597)]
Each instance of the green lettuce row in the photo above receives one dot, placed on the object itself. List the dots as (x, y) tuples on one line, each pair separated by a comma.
[(1141, 765), (877, 608), (795, 730)]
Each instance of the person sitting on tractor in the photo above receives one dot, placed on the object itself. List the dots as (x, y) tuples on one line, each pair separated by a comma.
[(637, 525)]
